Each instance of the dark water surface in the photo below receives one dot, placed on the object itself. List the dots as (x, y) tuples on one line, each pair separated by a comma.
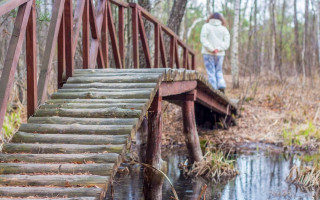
[(261, 177)]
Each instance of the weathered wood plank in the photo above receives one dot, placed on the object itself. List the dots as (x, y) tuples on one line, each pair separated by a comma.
[(53, 180), (115, 79), (49, 192), (53, 101), (22, 137), (61, 148), (102, 95), (83, 121), (89, 113), (77, 129), (149, 90), (61, 158), (104, 169), (132, 106), (110, 85)]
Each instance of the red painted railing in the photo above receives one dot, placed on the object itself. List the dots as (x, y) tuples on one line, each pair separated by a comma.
[(63, 36), (24, 28), (138, 13)]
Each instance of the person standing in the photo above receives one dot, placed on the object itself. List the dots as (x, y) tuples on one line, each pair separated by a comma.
[(215, 40)]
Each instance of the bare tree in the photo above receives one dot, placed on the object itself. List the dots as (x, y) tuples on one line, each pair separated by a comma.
[(176, 15), (273, 35), (296, 39), (304, 62), (235, 46)]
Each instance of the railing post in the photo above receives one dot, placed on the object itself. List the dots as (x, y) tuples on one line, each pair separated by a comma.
[(104, 37), (61, 52), (156, 45), (68, 17), (193, 62), (121, 34), (135, 35), (172, 51), (85, 36), (31, 59)]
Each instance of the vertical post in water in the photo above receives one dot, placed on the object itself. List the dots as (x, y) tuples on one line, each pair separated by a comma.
[(190, 128), (152, 179)]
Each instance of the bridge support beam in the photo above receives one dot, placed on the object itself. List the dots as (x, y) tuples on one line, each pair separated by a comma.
[(190, 127), (152, 179)]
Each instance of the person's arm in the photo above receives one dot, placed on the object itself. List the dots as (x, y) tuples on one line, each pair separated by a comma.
[(225, 41), (204, 39)]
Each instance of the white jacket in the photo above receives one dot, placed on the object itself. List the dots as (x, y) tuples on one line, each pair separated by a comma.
[(214, 36)]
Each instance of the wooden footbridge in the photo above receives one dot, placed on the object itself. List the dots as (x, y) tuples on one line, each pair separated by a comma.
[(74, 142)]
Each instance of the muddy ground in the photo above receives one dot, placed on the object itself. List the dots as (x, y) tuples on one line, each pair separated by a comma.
[(273, 114)]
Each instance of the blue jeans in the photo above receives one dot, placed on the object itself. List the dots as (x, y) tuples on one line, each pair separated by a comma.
[(214, 69)]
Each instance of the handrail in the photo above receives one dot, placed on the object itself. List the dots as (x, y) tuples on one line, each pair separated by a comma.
[(138, 26), (24, 27), (8, 5), (63, 35)]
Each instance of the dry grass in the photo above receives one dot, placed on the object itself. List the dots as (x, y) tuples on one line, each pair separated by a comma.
[(215, 166), (308, 177)]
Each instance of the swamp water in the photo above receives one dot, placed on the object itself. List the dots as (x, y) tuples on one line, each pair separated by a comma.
[(262, 176)]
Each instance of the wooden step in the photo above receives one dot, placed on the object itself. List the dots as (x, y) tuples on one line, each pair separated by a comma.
[(61, 148), (132, 106), (75, 198), (115, 74), (147, 90), (105, 169), (77, 129), (102, 95), (142, 70), (89, 113), (54, 180), (106, 101), (22, 137), (82, 121), (109, 85), (49, 192), (61, 158), (116, 79)]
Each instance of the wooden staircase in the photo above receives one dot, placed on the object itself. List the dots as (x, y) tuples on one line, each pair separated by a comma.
[(73, 145)]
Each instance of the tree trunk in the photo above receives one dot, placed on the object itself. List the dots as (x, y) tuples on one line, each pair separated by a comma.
[(304, 53), (273, 35), (235, 46), (176, 15), (279, 51), (296, 39), (255, 42)]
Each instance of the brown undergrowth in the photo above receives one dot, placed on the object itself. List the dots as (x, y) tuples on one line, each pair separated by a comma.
[(269, 109)]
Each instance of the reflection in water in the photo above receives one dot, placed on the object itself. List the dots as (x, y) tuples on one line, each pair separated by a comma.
[(261, 177)]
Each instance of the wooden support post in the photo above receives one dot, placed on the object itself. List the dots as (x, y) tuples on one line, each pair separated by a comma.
[(105, 38), (190, 129), (141, 140), (31, 54), (152, 180)]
